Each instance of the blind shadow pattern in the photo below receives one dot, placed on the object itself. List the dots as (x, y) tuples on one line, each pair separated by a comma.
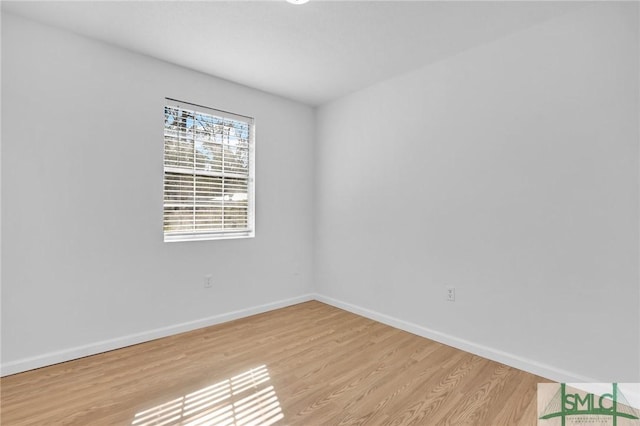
[(247, 399)]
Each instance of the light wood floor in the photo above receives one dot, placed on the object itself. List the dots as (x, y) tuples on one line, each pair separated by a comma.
[(308, 364)]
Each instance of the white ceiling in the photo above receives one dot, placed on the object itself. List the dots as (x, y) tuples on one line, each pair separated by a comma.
[(311, 53)]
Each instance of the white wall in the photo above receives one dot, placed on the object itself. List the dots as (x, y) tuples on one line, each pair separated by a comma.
[(509, 171), (84, 264)]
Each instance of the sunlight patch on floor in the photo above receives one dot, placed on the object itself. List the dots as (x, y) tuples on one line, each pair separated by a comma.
[(243, 400)]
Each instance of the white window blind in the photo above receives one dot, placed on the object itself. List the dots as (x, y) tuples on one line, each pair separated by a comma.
[(208, 173)]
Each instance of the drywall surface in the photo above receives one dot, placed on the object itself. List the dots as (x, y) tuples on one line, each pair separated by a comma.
[(83, 254), (509, 172)]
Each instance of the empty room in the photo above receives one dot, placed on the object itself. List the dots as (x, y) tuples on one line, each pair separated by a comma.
[(320, 212)]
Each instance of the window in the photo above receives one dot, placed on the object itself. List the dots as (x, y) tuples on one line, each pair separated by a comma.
[(208, 173)]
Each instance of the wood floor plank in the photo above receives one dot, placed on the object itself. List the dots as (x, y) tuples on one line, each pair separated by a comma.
[(308, 364)]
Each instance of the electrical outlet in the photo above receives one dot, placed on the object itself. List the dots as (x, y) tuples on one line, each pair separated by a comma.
[(208, 281), (451, 294)]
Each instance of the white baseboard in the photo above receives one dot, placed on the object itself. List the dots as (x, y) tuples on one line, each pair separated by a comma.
[(51, 358), (633, 397), (521, 363), (531, 366)]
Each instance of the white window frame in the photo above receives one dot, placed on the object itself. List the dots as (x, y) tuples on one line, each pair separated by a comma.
[(213, 234)]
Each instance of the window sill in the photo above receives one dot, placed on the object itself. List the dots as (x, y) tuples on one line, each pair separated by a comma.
[(176, 238)]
